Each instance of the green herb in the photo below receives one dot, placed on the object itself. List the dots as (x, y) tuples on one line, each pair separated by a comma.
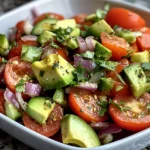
[(55, 65), (84, 34), (4, 60), (88, 54), (118, 88), (41, 73), (104, 108), (146, 66), (116, 105), (69, 30), (20, 87), (54, 45), (148, 106)]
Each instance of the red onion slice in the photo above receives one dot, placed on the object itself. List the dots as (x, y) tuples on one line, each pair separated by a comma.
[(29, 38), (47, 50), (32, 89), (34, 12), (11, 97), (87, 64), (27, 27), (82, 44), (87, 86), (22, 103), (100, 125), (90, 43)]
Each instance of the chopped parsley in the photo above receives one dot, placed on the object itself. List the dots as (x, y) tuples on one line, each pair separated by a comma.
[(55, 65), (20, 87), (88, 54), (146, 66), (54, 45), (4, 60), (104, 107), (41, 73), (148, 106)]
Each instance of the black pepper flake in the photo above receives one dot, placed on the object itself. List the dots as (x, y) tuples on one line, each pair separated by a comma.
[(55, 65), (67, 71), (81, 110), (41, 73)]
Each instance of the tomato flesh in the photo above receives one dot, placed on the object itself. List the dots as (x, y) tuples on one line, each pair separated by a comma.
[(52, 124), (125, 19), (85, 106), (135, 116), (2, 101)]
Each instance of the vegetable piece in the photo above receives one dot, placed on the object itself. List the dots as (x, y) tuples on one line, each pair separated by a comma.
[(80, 18), (99, 27), (85, 105), (11, 111), (31, 53), (53, 72), (124, 18), (48, 15), (29, 38), (72, 129), (143, 41), (44, 25), (133, 115), (117, 45), (90, 43), (51, 126), (82, 45), (2, 102), (141, 57), (27, 27), (4, 45), (16, 50), (39, 108), (15, 70), (137, 79), (59, 97)]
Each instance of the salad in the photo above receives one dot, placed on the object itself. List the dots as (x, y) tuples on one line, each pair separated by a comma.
[(83, 81)]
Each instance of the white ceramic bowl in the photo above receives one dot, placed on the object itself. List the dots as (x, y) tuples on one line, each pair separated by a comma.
[(68, 8)]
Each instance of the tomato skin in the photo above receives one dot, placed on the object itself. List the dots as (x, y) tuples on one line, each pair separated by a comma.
[(125, 19), (51, 126), (78, 104), (16, 50), (14, 72), (2, 101), (117, 45), (125, 122), (135, 47), (80, 18), (143, 41), (48, 15)]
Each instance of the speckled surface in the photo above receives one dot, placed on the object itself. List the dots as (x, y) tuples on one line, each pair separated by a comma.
[(6, 141)]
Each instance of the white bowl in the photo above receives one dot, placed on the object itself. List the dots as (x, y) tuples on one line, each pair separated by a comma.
[(68, 8)]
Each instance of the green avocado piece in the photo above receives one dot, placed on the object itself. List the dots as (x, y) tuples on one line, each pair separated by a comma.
[(75, 32), (76, 131), (64, 24), (137, 80), (31, 53), (11, 111), (39, 108), (102, 52), (45, 36), (91, 17), (70, 43), (101, 26), (4, 45), (105, 84), (53, 72), (140, 57), (59, 97), (44, 25)]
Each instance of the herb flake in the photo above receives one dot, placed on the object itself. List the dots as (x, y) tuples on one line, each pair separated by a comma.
[(20, 87)]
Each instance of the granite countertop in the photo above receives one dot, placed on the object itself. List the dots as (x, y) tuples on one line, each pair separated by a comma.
[(6, 141)]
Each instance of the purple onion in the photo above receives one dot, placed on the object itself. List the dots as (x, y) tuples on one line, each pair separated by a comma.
[(47, 51), (82, 44), (87, 64), (90, 43), (100, 125), (32, 89), (87, 86), (29, 38), (11, 97), (34, 12)]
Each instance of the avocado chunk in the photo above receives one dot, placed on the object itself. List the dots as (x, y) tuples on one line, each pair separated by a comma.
[(39, 108), (101, 26), (137, 80), (53, 72), (71, 43), (31, 53), (75, 32), (44, 25), (59, 97), (102, 52), (141, 57), (105, 84), (76, 131), (46, 36), (91, 17), (64, 24), (4, 45), (11, 111)]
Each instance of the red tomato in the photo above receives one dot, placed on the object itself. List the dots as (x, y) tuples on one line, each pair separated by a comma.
[(2, 101), (125, 19), (134, 116), (52, 124), (84, 104), (20, 30), (16, 50), (117, 45), (48, 15), (15, 70), (135, 47), (80, 18), (143, 41)]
